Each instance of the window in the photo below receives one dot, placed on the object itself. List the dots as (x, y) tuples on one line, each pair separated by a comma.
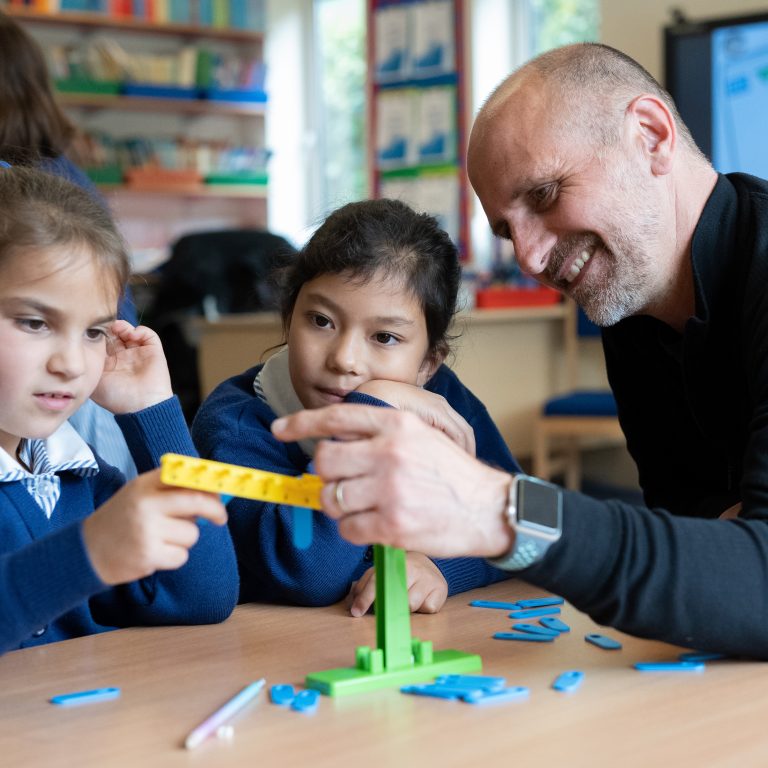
[(340, 110), (559, 22), (506, 34)]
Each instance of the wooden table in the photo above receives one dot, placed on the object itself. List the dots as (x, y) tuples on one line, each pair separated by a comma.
[(172, 678)]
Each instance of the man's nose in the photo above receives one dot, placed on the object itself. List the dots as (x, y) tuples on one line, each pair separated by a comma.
[(533, 244)]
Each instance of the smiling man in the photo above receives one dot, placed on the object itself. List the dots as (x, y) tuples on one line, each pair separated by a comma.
[(581, 159)]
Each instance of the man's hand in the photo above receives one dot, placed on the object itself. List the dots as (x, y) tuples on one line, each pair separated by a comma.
[(391, 479)]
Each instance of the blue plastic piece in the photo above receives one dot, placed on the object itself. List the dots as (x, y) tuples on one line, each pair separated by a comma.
[(701, 656), (302, 527), (282, 695), (159, 91), (253, 95), (439, 691), (535, 629), (85, 697), (226, 498), (552, 623), (568, 681), (533, 612), (670, 666), (472, 681), (498, 697), (601, 641), (494, 604), (540, 602), (306, 701), (303, 521), (524, 636)]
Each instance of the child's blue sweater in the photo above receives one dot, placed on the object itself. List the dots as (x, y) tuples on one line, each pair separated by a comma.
[(233, 426), (48, 588)]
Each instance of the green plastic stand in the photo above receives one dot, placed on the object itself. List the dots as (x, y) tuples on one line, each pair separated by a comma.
[(397, 659)]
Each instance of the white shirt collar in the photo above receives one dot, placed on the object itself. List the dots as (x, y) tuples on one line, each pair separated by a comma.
[(64, 449)]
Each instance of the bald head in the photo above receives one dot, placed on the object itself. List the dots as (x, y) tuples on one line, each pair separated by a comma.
[(589, 86)]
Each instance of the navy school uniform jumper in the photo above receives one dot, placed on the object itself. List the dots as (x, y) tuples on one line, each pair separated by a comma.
[(48, 588), (233, 426)]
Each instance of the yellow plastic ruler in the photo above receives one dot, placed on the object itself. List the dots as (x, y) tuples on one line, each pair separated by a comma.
[(234, 480)]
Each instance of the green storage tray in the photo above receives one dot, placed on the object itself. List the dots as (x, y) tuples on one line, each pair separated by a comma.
[(108, 174), (84, 85), (245, 177)]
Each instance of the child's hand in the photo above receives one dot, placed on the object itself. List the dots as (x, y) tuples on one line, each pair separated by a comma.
[(135, 374), (146, 526), (429, 407), (427, 588)]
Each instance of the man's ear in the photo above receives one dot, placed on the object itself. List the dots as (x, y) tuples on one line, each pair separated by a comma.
[(655, 130), (431, 363)]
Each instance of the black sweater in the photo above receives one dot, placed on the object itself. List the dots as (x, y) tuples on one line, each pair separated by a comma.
[(694, 409)]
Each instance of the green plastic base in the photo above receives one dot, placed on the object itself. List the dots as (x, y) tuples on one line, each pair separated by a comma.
[(348, 680)]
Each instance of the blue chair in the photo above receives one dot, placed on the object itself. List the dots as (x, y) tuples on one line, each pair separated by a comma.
[(575, 420)]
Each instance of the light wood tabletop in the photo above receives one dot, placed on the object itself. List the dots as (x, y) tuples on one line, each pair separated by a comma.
[(173, 678)]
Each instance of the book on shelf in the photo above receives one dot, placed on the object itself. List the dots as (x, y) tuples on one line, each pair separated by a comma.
[(222, 14)]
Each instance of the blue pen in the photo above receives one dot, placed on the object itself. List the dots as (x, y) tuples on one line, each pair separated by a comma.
[(85, 697)]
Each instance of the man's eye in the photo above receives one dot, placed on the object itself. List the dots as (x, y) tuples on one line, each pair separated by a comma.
[(544, 196)]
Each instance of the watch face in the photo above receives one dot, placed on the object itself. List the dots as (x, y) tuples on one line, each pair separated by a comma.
[(539, 503)]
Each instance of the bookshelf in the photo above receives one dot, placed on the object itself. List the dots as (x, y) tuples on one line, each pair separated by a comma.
[(210, 130), (418, 92), (92, 101), (85, 19)]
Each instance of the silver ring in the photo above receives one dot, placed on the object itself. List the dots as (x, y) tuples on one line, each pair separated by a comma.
[(339, 496)]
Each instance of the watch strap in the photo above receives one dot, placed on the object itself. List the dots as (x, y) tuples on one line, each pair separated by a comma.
[(529, 546)]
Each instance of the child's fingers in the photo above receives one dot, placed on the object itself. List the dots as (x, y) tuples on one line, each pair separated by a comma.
[(456, 427), (178, 532), (133, 336), (433, 600), (183, 503), (417, 593), (363, 593), (170, 557)]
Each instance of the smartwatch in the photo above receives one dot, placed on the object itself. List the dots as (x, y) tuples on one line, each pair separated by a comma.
[(535, 513)]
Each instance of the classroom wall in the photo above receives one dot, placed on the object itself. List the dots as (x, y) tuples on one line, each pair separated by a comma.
[(636, 27)]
